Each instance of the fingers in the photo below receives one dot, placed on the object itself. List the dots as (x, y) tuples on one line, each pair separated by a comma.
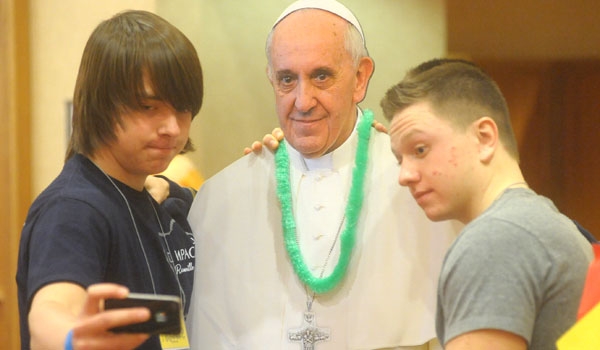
[(256, 147), (89, 336), (98, 292), (271, 141), (379, 127), (108, 319), (92, 331), (277, 133)]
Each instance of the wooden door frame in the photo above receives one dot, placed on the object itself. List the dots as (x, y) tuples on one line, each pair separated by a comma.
[(15, 155)]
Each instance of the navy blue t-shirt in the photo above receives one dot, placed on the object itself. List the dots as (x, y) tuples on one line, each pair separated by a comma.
[(85, 229)]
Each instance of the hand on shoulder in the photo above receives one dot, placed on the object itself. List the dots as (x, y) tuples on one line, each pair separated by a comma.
[(158, 188), (270, 140)]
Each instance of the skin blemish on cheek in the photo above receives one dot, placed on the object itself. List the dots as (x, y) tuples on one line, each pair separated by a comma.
[(453, 158)]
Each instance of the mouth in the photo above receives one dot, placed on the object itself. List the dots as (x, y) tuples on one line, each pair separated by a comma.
[(162, 149), (306, 121), (420, 196), (163, 143), (307, 118)]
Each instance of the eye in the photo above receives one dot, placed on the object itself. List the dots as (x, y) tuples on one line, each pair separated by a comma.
[(420, 151), (285, 79), (321, 76), (149, 104)]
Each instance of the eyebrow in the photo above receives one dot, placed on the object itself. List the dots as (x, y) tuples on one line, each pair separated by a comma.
[(415, 131), (284, 72), (322, 70), (411, 134)]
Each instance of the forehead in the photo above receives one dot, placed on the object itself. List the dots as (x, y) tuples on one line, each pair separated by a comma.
[(309, 35), (416, 120), (414, 115)]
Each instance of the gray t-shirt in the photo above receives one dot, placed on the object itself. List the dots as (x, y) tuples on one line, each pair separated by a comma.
[(519, 267)]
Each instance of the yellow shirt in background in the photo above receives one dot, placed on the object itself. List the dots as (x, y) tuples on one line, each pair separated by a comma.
[(182, 171)]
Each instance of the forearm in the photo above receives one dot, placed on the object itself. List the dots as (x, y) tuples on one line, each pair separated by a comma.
[(53, 313), (490, 339), (49, 324), (60, 307)]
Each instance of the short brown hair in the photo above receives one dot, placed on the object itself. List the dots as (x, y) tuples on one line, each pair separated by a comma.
[(119, 54), (457, 90)]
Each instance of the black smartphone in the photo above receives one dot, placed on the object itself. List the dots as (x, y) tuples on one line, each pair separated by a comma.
[(165, 313)]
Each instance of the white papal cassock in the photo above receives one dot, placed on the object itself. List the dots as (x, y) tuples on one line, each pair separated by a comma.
[(246, 294)]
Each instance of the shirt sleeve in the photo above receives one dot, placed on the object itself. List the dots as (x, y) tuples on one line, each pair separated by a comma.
[(69, 242), (493, 277)]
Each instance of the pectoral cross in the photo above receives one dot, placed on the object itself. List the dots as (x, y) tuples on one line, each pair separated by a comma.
[(309, 333)]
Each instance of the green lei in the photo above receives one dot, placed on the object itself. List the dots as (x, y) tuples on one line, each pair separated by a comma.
[(353, 207)]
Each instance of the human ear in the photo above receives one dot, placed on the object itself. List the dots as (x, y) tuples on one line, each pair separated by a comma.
[(487, 136), (366, 66), (269, 73)]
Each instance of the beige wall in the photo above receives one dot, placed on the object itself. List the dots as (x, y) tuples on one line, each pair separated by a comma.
[(229, 36), (59, 30)]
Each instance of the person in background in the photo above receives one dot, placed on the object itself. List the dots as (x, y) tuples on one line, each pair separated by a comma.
[(514, 276), (95, 232), (315, 247), (182, 171)]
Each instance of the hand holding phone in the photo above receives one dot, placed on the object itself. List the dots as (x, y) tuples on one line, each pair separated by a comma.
[(165, 313)]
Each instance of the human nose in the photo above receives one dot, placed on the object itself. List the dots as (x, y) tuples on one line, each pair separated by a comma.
[(305, 97), (169, 125), (408, 174)]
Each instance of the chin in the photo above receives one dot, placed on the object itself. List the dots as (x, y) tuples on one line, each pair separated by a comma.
[(435, 215), (159, 167), (309, 149)]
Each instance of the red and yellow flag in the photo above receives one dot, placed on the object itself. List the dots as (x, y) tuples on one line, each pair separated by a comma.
[(585, 334)]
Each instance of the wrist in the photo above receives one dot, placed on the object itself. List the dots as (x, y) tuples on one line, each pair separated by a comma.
[(69, 341)]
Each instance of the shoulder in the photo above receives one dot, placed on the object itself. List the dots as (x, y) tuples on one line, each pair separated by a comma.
[(522, 215), (80, 179), (521, 232), (74, 192), (251, 163), (250, 172)]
